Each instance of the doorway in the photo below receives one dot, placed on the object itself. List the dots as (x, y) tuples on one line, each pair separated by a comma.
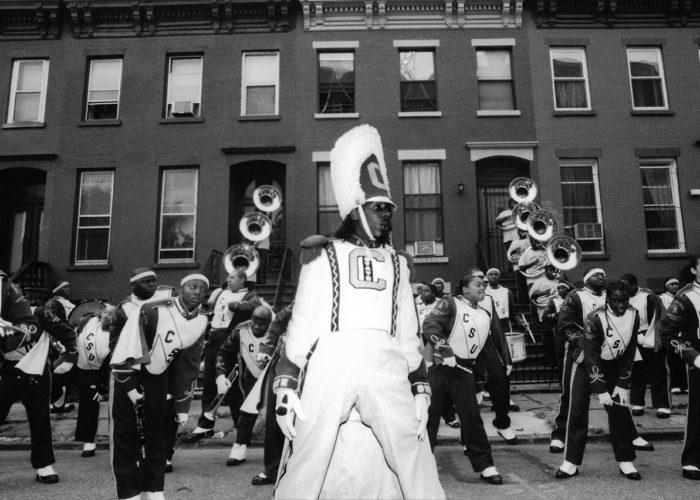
[(21, 216), (493, 176)]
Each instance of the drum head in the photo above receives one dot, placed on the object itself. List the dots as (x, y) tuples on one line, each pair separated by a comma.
[(87, 307)]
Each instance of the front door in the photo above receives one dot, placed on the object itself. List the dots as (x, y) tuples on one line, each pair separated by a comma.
[(493, 176), (21, 213)]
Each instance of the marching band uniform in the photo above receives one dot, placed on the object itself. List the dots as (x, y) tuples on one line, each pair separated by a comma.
[(354, 332), (676, 366), (240, 349), (24, 374), (143, 360), (577, 306), (603, 365), (652, 367), (680, 330), (456, 329)]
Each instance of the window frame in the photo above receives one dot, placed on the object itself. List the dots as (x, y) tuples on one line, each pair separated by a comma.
[(167, 109), (88, 88), (593, 165), (320, 164), (433, 51), (318, 80), (78, 227), (671, 165), (408, 158), (584, 63), (244, 86), (496, 48), (42, 92), (662, 77), (161, 201)]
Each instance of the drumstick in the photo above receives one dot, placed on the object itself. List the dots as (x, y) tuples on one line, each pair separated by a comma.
[(527, 327)]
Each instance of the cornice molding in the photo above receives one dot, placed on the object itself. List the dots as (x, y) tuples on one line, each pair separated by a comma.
[(617, 13), (334, 15), (30, 19)]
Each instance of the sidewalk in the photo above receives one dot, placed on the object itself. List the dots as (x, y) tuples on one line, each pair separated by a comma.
[(532, 423)]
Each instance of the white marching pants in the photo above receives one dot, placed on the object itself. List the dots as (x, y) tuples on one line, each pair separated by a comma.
[(363, 370)]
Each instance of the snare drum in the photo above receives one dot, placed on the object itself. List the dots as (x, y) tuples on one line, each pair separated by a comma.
[(516, 346)]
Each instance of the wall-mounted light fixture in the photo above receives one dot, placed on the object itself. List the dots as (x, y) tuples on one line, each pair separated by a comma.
[(460, 188)]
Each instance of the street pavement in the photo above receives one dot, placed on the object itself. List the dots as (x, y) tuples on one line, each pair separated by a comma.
[(528, 471)]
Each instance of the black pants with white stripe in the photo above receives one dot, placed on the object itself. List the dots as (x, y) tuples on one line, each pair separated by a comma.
[(622, 430), (691, 446), (34, 392), (567, 363), (460, 384), (652, 370), (133, 473), (677, 370), (497, 382), (88, 405)]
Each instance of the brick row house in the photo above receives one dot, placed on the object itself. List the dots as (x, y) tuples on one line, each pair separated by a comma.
[(134, 132)]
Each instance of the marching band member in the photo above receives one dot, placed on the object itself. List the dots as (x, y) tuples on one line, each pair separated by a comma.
[(62, 307), (240, 350), (504, 220), (24, 375), (679, 329), (141, 363), (143, 283), (652, 367), (60, 303), (233, 305), (354, 332), (554, 304), (92, 376), (676, 366), (607, 348), (439, 286), (458, 329), (542, 288)]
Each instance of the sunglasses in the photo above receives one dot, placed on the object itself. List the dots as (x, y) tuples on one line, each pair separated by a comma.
[(382, 207)]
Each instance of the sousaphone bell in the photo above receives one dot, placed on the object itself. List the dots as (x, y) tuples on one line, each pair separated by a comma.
[(542, 225), (522, 189), (521, 212), (563, 252)]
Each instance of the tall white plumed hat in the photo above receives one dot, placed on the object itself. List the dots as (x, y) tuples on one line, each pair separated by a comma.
[(358, 171)]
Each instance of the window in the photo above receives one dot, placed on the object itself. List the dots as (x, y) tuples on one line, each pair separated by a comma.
[(104, 84), (328, 214), (422, 204), (418, 88), (493, 71), (662, 209), (28, 90), (581, 204), (184, 86), (260, 94), (336, 82), (570, 79), (178, 215), (94, 217), (647, 78)]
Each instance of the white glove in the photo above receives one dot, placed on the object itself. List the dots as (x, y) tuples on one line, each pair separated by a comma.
[(509, 368), (451, 361), (479, 397), (64, 367), (262, 359), (286, 407), (182, 418), (697, 362), (623, 394), (134, 395), (222, 384), (421, 402), (605, 399), (640, 339)]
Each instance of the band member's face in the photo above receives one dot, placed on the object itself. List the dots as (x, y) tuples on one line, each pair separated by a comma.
[(475, 290), (419, 290), (597, 281), (440, 286), (493, 277), (562, 291), (259, 326), (145, 287), (631, 287), (427, 295), (234, 282), (672, 288), (64, 291), (619, 302), (192, 293), (378, 216)]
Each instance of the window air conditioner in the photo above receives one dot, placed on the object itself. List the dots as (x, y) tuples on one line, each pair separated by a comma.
[(588, 231), (423, 248), (183, 108)]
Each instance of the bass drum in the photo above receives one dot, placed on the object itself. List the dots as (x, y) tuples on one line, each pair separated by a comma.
[(88, 307)]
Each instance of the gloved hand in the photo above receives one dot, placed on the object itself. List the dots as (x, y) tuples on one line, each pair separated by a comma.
[(262, 359), (421, 402), (286, 407), (623, 394), (182, 418), (222, 384), (134, 395), (64, 367), (509, 368), (605, 399), (451, 361)]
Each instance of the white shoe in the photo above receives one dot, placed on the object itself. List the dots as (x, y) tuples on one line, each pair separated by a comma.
[(508, 434), (237, 455), (676, 390), (46, 471), (155, 495), (89, 446)]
